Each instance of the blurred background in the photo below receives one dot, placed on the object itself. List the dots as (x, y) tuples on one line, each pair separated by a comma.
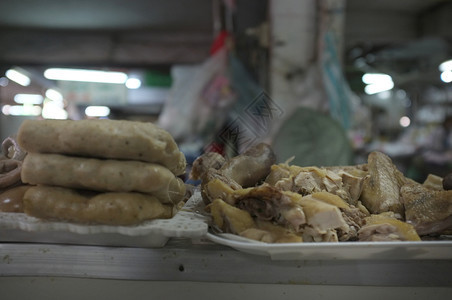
[(324, 82)]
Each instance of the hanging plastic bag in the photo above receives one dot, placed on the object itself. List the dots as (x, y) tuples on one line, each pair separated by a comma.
[(199, 99)]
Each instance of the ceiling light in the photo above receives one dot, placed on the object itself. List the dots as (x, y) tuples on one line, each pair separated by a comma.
[(28, 98), (21, 110), (97, 111), (378, 88), (133, 83), (370, 78), (5, 109), (18, 77), (54, 110), (446, 66), (446, 76), (85, 75), (377, 82), (54, 95), (405, 121)]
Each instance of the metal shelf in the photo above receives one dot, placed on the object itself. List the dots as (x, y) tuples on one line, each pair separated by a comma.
[(184, 260)]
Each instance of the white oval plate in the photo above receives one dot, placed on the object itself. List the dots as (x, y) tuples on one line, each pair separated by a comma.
[(340, 250)]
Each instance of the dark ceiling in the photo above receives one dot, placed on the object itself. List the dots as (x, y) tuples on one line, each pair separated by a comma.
[(148, 31), (407, 38), (107, 15), (114, 32)]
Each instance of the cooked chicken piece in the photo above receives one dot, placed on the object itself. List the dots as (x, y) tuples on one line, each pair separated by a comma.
[(433, 182), (316, 216), (244, 170), (250, 167), (326, 185), (354, 170), (385, 227), (354, 183), (268, 203), (429, 211), (302, 180), (205, 162), (280, 175), (331, 199), (342, 181), (270, 233), (318, 226), (321, 215), (352, 215), (362, 208), (314, 179), (381, 192), (341, 227), (215, 185), (354, 219), (229, 218)]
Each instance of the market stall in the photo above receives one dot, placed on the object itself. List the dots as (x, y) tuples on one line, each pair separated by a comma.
[(225, 150)]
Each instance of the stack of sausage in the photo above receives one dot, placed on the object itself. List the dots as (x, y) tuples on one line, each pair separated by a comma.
[(100, 171)]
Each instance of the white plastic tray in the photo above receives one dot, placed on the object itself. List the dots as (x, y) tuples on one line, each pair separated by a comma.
[(341, 250), (18, 227)]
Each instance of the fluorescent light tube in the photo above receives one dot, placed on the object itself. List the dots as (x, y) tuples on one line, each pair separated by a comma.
[(54, 110), (97, 111), (446, 76), (371, 78), (28, 98), (133, 83), (446, 66), (18, 77), (378, 87), (85, 75), (377, 82), (54, 95), (21, 110)]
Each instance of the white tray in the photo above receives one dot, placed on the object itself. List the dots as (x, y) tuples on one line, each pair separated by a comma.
[(18, 227), (341, 250)]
